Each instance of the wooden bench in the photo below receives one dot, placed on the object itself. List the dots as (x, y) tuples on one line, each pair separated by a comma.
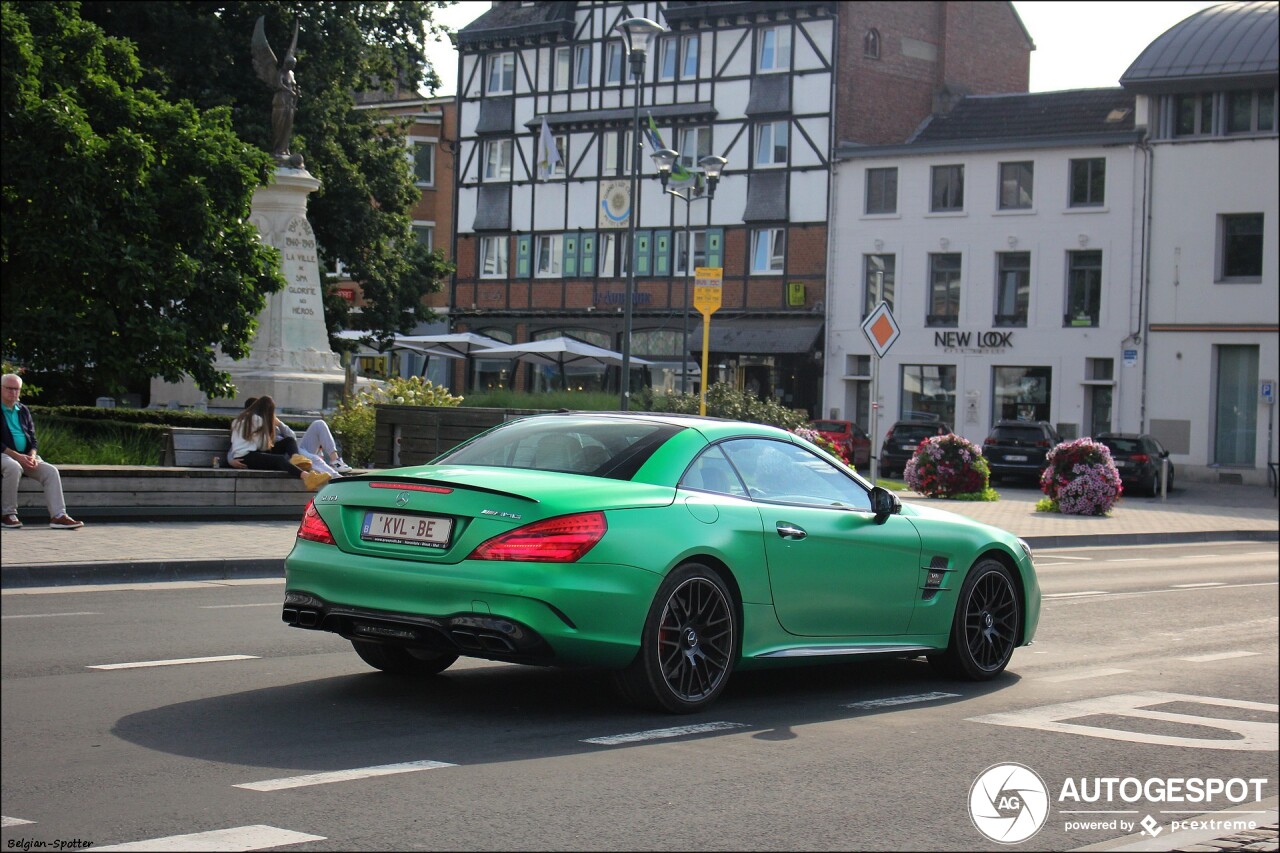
[(134, 492), (194, 447)]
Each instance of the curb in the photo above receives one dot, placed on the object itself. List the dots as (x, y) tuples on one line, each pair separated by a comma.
[(1104, 540), (139, 571)]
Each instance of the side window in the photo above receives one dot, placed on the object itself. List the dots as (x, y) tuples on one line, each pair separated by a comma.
[(782, 472), (711, 472)]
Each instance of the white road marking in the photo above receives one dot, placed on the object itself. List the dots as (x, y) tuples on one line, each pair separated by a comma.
[(1080, 675), (1241, 735), (1130, 560), (45, 615), (1159, 591), (1220, 656), (342, 775), (658, 734), (5, 820), (1197, 585), (900, 700), (176, 662), (1040, 565), (1076, 594), (259, 837), (1069, 557), (226, 606), (1196, 556)]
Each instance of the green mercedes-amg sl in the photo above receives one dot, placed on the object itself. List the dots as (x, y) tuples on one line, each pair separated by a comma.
[(670, 549)]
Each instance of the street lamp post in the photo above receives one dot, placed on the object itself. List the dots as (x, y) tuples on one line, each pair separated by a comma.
[(636, 34), (712, 165)]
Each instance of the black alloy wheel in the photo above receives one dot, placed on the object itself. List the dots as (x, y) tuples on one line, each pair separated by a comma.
[(987, 624), (689, 644)]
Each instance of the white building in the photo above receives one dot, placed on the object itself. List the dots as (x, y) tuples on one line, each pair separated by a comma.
[(1003, 236), (1206, 96)]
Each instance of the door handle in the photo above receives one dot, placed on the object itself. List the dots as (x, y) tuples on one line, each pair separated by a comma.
[(787, 530)]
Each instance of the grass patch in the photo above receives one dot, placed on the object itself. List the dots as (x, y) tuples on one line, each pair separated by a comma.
[(62, 444)]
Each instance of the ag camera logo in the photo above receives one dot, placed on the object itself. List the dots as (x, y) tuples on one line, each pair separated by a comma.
[(1008, 803)]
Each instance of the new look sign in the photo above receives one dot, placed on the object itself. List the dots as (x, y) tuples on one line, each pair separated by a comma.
[(973, 342)]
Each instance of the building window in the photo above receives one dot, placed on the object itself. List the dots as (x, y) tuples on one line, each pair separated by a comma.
[(1021, 393), (614, 262), (1015, 185), (1088, 182), (694, 144), (668, 58), (1084, 288), (548, 255), (768, 249), (928, 392), (561, 69), (689, 50), (882, 190), (424, 163), (493, 257), (613, 64), (775, 49), (1235, 422), (502, 74), (772, 144), (1193, 115), (1251, 112), (497, 160), (582, 66), (944, 290), (948, 189), (1013, 288), (878, 275), (617, 152), (425, 235), (871, 44), (1240, 247), (684, 263)]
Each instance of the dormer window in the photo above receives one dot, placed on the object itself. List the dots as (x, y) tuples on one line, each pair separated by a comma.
[(871, 44)]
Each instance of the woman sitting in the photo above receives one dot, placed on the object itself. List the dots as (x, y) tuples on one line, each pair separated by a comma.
[(254, 445)]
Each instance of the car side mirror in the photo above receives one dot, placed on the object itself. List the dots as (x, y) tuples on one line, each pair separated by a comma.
[(884, 503)]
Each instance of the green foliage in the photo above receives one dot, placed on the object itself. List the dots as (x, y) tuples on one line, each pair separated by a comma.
[(987, 494), (165, 417), (29, 391), (1046, 505), (356, 418), (127, 247), (362, 214), (723, 401), (66, 441)]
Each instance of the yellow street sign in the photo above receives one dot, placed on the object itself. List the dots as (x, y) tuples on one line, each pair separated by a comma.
[(707, 287)]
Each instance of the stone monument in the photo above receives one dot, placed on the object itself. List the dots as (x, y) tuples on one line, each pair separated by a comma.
[(290, 358)]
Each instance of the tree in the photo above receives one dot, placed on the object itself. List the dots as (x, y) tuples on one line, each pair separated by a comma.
[(362, 213), (126, 245)]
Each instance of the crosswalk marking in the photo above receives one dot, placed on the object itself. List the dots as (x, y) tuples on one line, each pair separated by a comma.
[(342, 775), (257, 837), (5, 820), (176, 662), (1220, 656), (1080, 675), (658, 734), (899, 700)]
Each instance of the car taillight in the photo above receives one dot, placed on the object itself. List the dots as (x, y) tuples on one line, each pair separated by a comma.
[(554, 540), (888, 436), (1141, 458), (988, 440), (1043, 443), (313, 527)]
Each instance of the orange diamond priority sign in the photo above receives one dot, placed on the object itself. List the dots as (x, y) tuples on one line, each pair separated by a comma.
[(881, 329)]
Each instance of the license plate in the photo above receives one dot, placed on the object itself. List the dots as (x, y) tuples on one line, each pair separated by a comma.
[(423, 531), (909, 447), (1013, 457)]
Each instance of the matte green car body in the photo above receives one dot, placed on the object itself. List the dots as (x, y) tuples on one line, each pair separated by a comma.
[(794, 603)]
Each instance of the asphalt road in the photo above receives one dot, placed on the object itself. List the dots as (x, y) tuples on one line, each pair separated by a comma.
[(491, 756)]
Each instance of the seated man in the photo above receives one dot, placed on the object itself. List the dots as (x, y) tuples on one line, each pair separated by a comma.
[(19, 459)]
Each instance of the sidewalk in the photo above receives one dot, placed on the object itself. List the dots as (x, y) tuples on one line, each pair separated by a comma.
[(140, 552)]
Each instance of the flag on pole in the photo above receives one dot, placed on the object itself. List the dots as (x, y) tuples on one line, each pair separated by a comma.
[(548, 154), (679, 174)]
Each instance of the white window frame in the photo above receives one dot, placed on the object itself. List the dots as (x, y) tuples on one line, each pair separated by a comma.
[(501, 171), (427, 227), (617, 160), (501, 76), (690, 51), (767, 143), (582, 67), (684, 264), (561, 141), (614, 61), (775, 50), (416, 147), (668, 58), (768, 251), (694, 144), (548, 256), (561, 68), (495, 257)]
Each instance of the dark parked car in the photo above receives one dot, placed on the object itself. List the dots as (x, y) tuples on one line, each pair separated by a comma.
[(1018, 448), (901, 441), (1138, 459), (850, 438)]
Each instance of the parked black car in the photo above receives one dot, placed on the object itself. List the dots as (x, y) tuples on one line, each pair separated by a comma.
[(901, 441), (1139, 460), (1019, 448)]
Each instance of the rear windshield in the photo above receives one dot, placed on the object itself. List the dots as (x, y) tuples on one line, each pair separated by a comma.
[(830, 426), (1123, 445), (914, 432), (1017, 433), (600, 447)]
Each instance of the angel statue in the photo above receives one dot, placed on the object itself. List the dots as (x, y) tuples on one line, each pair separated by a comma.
[(279, 76)]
